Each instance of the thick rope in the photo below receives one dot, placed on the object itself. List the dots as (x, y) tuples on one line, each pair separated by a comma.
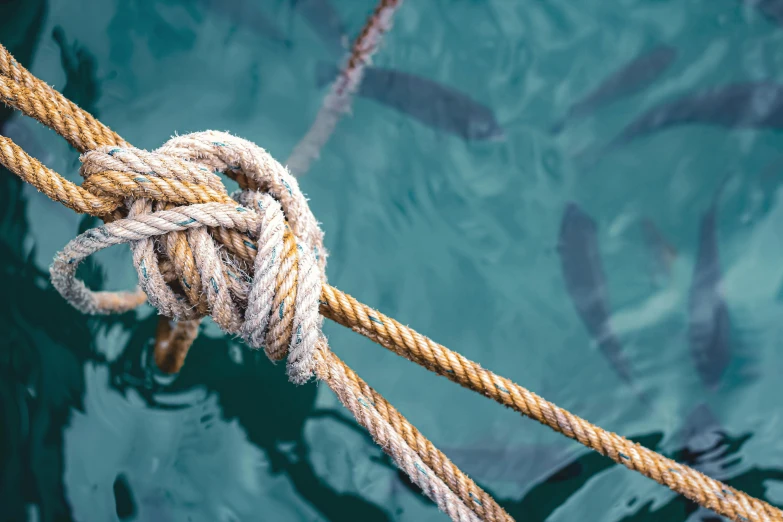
[(482, 503), (289, 284), (142, 224), (350, 390), (338, 101), (404, 341), (138, 228), (174, 340)]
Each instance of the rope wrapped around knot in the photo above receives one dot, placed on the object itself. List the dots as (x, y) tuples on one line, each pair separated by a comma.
[(271, 303)]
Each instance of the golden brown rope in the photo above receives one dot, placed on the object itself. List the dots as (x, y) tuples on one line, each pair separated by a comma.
[(408, 343), (173, 341), (43, 104), (479, 500)]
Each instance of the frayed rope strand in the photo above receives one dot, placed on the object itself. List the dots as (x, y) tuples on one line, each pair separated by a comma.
[(261, 265)]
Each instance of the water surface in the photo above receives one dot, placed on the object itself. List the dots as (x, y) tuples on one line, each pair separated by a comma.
[(457, 239)]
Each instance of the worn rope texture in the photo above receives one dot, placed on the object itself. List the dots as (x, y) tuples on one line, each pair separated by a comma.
[(344, 309), (266, 224), (266, 309), (288, 273), (57, 112), (338, 101), (359, 399), (23, 91)]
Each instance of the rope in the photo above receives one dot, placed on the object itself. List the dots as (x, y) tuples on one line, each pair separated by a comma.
[(270, 240), (345, 384), (172, 341), (461, 498), (289, 266), (280, 289), (338, 101)]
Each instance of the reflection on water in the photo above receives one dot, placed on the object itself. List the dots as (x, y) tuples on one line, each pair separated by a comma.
[(165, 464), (457, 237)]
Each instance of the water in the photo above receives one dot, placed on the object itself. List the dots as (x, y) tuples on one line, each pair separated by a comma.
[(456, 239)]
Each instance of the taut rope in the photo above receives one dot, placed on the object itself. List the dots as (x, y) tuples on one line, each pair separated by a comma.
[(179, 182), (256, 264)]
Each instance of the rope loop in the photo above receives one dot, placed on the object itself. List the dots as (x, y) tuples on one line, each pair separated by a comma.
[(175, 201), (169, 204)]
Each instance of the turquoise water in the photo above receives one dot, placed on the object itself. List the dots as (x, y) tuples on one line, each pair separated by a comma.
[(456, 239)]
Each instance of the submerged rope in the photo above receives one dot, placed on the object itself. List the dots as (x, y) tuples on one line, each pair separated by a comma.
[(338, 101), (103, 194), (270, 240)]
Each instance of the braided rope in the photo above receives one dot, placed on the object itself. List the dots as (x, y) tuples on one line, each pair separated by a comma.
[(234, 226), (174, 339), (405, 341), (142, 226)]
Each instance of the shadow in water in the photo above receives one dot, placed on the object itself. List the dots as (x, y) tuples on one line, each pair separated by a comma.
[(37, 384), (719, 458), (545, 497), (46, 343), (82, 86), (20, 27), (42, 365), (250, 389)]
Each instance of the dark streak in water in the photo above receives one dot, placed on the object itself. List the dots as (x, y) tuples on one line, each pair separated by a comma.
[(123, 499), (80, 66), (583, 272), (756, 105), (709, 327), (629, 79), (705, 446), (772, 9), (432, 103)]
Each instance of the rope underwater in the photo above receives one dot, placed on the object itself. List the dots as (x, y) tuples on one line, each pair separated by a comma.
[(268, 285), (427, 467), (173, 340), (338, 100)]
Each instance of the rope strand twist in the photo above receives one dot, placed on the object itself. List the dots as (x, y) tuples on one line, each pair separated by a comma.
[(251, 260), (449, 488), (279, 310)]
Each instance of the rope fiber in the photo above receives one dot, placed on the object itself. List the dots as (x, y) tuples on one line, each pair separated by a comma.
[(254, 261)]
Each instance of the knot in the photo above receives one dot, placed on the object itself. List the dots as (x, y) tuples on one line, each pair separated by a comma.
[(254, 261)]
